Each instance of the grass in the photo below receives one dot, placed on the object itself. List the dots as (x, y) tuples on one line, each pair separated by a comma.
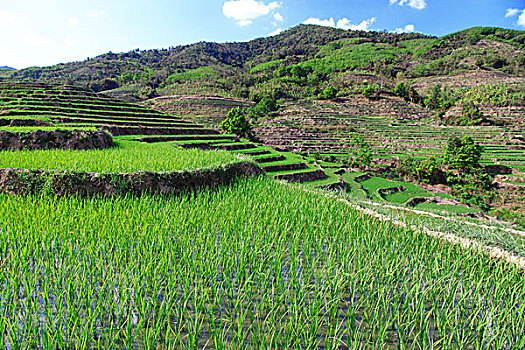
[(127, 156), (254, 265)]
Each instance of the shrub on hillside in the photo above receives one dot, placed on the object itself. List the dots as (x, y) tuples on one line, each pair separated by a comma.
[(329, 93), (427, 171), (462, 154), (440, 98), (104, 85), (372, 91), (401, 90), (471, 112), (263, 108), (474, 188), (363, 153), (146, 92)]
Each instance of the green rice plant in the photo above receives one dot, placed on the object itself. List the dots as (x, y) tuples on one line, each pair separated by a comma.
[(126, 157), (255, 265)]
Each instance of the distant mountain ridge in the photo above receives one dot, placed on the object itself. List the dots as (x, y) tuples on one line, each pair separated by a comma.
[(7, 67), (324, 56)]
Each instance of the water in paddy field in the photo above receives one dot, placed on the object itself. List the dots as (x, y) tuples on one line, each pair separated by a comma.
[(303, 302)]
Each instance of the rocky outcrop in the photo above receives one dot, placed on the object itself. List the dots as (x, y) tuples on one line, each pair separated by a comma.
[(61, 183), (55, 139)]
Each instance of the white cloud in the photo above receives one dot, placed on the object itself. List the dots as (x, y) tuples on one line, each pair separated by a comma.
[(517, 12), (343, 23), (244, 22), (417, 4), (245, 11), (7, 17), (278, 17), (72, 22), (409, 28), (521, 19), (511, 12), (276, 32), (320, 22)]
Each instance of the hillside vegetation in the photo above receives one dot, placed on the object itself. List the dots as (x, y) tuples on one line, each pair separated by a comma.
[(299, 62)]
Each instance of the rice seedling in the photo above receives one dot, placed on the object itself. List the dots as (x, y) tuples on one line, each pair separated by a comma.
[(255, 265), (126, 157)]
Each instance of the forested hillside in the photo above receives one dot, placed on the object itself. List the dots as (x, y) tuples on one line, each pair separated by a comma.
[(300, 62)]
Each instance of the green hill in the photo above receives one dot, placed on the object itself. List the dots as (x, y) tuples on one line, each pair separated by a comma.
[(244, 69)]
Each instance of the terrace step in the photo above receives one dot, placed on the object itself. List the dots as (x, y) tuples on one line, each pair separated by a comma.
[(235, 146), (150, 131), (133, 122), (270, 159), (17, 110), (301, 177), (152, 139), (204, 145), (284, 167), (256, 153)]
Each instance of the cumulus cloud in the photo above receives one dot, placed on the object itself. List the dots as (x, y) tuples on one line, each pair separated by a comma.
[(521, 19), (276, 32), (72, 22), (409, 28), (278, 17), (511, 12), (245, 11), (417, 4), (343, 23)]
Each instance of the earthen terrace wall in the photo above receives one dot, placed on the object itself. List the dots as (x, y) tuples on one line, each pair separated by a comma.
[(61, 183)]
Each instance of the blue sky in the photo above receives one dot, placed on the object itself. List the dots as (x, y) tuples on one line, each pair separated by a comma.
[(46, 32)]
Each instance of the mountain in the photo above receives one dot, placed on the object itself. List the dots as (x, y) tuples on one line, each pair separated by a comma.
[(7, 67), (322, 56)]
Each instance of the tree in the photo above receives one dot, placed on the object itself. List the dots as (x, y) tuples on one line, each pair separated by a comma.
[(372, 91), (400, 90), (432, 100), (236, 123), (330, 93), (298, 72), (363, 155), (263, 108), (471, 114), (462, 154)]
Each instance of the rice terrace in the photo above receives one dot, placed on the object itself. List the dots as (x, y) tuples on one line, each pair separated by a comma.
[(347, 183)]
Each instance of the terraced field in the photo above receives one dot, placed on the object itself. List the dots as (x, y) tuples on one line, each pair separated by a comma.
[(328, 128), (394, 129), (256, 264), (26, 107)]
